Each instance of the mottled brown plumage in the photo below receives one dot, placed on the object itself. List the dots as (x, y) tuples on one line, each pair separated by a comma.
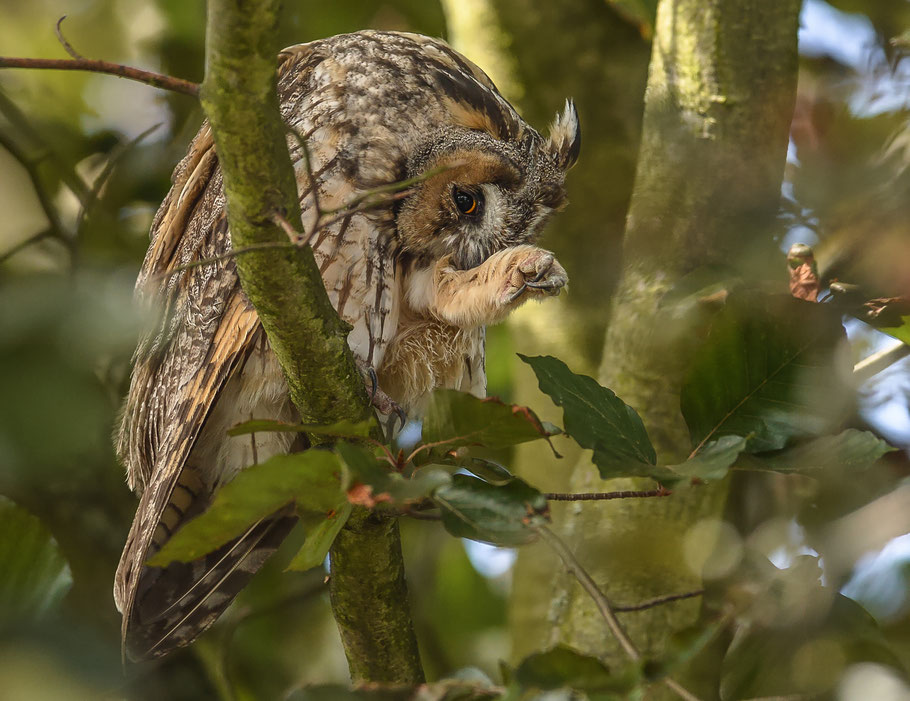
[(417, 280)]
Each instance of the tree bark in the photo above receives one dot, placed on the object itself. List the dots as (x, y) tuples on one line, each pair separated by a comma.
[(539, 54), (240, 100), (719, 100)]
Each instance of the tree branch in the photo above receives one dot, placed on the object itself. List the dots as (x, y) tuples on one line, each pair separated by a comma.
[(606, 496), (90, 65), (239, 96), (603, 605)]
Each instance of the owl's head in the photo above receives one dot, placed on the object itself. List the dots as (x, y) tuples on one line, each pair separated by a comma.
[(486, 179)]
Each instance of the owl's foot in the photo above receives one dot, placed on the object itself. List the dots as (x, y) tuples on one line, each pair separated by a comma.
[(382, 402), (539, 272)]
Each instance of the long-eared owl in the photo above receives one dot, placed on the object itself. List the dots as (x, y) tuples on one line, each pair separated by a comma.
[(418, 280)]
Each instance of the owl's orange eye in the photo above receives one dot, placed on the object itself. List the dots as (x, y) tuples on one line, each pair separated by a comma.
[(465, 201)]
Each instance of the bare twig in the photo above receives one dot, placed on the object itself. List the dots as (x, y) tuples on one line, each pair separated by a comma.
[(875, 363), (603, 605), (311, 176), (381, 196), (233, 253), (22, 125), (157, 80), (651, 603), (606, 496), (66, 45), (118, 152), (25, 243), (287, 227), (55, 230)]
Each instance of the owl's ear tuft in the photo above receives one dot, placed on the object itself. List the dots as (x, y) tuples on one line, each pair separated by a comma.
[(564, 140)]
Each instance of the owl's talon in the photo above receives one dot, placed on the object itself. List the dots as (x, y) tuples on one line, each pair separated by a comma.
[(543, 284), (374, 383), (518, 293)]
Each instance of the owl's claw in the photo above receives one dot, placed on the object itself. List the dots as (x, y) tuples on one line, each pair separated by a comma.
[(539, 271), (382, 402), (518, 293), (374, 383)]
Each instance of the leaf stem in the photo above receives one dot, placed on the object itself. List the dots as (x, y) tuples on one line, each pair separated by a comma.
[(606, 496)]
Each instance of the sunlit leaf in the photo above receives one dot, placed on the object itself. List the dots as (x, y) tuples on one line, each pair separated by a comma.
[(320, 534), (460, 419), (713, 461), (501, 515), (807, 654), (342, 429), (563, 667), (769, 370), (34, 576), (852, 450), (597, 419), (312, 479), (443, 690)]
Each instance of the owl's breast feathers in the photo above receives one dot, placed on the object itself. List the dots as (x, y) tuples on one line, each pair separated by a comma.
[(370, 106)]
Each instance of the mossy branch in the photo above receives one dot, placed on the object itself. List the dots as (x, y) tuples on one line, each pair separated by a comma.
[(239, 96)]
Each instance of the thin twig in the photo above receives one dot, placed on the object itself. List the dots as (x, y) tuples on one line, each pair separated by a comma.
[(419, 516), (25, 243), (311, 176), (606, 496), (875, 363), (55, 229), (90, 65), (386, 195), (66, 45), (603, 605), (281, 221), (117, 153), (233, 253), (651, 603), (22, 124), (589, 585)]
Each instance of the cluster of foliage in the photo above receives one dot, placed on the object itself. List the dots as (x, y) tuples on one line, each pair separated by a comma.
[(765, 402)]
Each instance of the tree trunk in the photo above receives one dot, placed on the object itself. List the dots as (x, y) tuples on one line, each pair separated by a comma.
[(539, 54), (240, 99), (720, 94)]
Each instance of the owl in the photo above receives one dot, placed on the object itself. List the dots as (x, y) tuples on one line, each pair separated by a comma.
[(418, 280)]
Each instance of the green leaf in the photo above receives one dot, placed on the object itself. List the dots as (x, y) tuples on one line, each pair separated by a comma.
[(320, 534), (597, 419), (768, 661), (311, 478), (852, 450), (34, 576), (501, 515), (386, 485), (342, 429), (460, 419), (768, 369), (563, 667), (443, 690), (902, 332), (713, 461)]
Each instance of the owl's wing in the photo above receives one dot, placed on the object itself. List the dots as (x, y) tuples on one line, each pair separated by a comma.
[(206, 332)]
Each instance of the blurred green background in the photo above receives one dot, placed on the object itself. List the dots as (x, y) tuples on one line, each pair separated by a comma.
[(75, 172)]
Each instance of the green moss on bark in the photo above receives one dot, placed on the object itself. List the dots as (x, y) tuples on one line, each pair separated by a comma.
[(240, 100), (719, 100)]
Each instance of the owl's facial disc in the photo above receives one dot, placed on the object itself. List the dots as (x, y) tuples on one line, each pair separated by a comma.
[(475, 202)]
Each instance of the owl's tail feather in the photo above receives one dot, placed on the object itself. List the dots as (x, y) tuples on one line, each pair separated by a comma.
[(175, 604)]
